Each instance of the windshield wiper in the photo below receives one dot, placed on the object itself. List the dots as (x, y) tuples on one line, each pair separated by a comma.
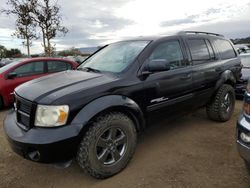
[(89, 69)]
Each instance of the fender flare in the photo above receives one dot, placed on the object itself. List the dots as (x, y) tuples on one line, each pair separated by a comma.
[(117, 102), (226, 76)]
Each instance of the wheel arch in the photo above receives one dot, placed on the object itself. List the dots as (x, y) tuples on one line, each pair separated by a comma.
[(110, 103), (227, 77)]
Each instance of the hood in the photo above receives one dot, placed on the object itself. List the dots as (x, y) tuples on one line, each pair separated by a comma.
[(245, 73), (49, 88)]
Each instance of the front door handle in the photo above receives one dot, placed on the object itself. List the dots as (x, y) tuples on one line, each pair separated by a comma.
[(187, 77), (218, 69)]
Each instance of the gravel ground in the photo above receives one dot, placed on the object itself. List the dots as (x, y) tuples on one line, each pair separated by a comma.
[(190, 151)]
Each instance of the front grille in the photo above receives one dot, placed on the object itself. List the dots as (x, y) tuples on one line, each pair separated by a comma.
[(243, 82), (24, 112), (25, 107)]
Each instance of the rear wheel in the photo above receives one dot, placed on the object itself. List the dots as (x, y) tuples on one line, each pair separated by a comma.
[(221, 106), (108, 145)]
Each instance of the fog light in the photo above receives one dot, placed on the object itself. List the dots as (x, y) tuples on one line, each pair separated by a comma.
[(245, 138), (34, 155)]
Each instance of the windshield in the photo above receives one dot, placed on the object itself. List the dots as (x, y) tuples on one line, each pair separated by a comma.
[(10, 65), (115, 57), (245, 60)]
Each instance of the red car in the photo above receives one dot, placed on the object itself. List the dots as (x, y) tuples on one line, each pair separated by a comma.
[(18, 72)]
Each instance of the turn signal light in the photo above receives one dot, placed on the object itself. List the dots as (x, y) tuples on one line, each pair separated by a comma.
[(63, 116), (246, 108)]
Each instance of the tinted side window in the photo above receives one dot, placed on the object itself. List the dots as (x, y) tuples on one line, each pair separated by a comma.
[(170, 51), (198, 49), (57, 66), (30, 69), (210, 49), (225, 48)]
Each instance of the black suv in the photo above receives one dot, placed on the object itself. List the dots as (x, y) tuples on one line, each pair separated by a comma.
[(243, 129), (96, 112)]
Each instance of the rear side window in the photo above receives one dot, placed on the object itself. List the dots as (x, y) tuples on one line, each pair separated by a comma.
[(58, 66), (225, 49), (199, 50)]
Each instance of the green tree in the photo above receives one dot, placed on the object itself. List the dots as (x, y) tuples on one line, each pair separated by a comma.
[(2, 51), (13, 53), (47, 16), (71, 52), (25, 26)]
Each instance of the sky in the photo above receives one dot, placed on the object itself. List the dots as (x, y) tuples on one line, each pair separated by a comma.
[(98, 22)]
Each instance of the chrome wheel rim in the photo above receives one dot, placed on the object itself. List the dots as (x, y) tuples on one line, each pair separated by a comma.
[(227, 103)]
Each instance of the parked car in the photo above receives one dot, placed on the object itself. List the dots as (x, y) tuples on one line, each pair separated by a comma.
[(242, 48), (79, 59), (21, 71), (245, 51), (243, 130), (4, 62), (242, 83), (96, 112)]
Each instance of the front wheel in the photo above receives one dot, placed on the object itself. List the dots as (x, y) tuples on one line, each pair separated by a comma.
[(108, 145), (1, 103), (247, 164), (222, 104)]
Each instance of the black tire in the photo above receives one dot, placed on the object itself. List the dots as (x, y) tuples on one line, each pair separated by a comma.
[(221, 107), (247, 164), (96, 150), (1, 103)]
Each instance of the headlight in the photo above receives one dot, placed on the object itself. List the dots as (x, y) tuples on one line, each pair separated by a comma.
[(51, 116), (248, 87), (245, 137), (246, 108)]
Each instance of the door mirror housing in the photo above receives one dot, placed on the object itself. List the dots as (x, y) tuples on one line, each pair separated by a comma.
[(158, 65), (12, 75)]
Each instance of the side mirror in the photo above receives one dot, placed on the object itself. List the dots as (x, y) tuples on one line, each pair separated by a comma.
[(158, 65), (11, 75)]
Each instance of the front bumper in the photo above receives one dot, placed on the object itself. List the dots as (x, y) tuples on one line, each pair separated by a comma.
[(43, 144), (243, 125), (240, 89), (244, 151)]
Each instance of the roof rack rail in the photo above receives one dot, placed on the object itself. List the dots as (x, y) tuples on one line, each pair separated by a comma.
[(199, 32)]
